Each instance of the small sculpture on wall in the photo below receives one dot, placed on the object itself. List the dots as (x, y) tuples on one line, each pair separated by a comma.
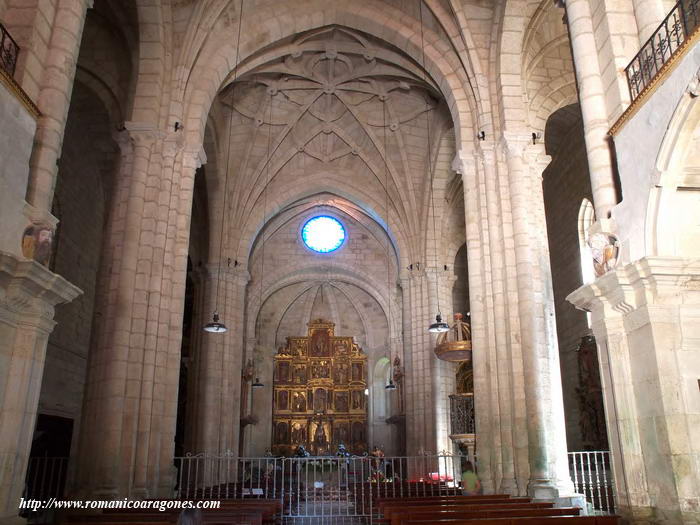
[(605, 249), (248, 370), (37, 243)]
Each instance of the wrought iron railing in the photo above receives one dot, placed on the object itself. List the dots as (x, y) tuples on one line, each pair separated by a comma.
[(46, 478), (462, 414), (591, 473), (9, 50), (676, 28), (328, 489)]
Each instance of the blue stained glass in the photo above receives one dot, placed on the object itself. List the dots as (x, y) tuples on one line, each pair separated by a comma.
[(323, 234)]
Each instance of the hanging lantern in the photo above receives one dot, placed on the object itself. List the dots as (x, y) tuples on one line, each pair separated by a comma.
[(455, 344)]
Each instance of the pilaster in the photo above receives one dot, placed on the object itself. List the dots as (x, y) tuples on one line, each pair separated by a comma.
[(644, 318), (28, 294)]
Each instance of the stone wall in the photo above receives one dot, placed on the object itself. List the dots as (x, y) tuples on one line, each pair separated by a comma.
[(80, 204), (15, 150)]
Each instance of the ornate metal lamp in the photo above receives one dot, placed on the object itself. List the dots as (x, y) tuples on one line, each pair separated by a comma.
[(455, 344)]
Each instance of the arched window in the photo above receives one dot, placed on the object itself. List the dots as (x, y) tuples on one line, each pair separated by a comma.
[(586, 218)]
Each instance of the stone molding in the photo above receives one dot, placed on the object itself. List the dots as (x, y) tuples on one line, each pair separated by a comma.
[(638, 284), (26, 281)]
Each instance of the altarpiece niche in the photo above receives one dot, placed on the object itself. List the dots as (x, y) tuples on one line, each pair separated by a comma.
[(319, 398)]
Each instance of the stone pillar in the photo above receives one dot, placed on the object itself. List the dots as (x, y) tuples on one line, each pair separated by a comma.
[(220, 362), (53, 102), (649, 15), (593, 105), (501, 345), (645, 317), (419, 394), (130, 406), (544, 403), (28, 294), (486, 411)]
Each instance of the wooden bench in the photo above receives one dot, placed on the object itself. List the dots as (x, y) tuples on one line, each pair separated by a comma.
[(400, 518), (387, 510), (539, 520)]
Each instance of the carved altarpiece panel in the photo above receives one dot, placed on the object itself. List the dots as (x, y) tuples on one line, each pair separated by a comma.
[(319, 396)]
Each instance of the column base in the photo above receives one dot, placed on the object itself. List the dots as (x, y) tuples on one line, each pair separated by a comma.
[(656, 515), (542, 490), (13, 520), (509, 486)]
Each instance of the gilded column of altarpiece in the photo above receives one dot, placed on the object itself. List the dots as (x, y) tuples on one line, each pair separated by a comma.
[(319, 396)]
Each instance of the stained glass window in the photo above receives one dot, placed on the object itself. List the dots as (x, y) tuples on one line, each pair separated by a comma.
[(323, 234)]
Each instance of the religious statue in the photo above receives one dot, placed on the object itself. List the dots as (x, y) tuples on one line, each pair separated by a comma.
[(283, 371), (299, 402), (357, 400), (320, 400), (299, 374), (301, 452), (605, 248), (341, 432), (282, 433), (37, 243), (342, 452), (282, 400), (357, 372), (341, 373), (341, 401), (397, 372), (298, 433)]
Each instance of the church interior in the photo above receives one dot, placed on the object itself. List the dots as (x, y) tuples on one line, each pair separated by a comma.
[(389, 232)]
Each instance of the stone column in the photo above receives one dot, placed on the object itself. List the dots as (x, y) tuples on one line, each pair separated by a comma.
[(28, 294), (486, 419), (544, 403), (53, 102), (220, 362), (420, 412), (649, 15), (130, 407), (593, 105), (501, 349), (645, 317), (486, 411)]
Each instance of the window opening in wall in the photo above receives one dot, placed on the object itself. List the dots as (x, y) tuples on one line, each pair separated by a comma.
[(586, 218), (323, 234)]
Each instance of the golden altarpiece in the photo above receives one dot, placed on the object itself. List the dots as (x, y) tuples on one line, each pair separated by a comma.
[(319, 398)]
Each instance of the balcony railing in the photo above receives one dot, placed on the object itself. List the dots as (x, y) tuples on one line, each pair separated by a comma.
[(591, 473), (9, 50), (676, 28), (462, 414)]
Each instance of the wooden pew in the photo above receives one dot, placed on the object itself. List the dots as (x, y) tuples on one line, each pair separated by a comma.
[(539, 520), (387, 510), (400, 518)]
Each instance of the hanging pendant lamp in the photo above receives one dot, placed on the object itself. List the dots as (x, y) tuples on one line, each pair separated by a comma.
[(257, 383), (390, 386), (439, 326), (216, 326)]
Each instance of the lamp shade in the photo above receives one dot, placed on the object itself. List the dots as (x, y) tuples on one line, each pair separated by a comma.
[(215, 327)]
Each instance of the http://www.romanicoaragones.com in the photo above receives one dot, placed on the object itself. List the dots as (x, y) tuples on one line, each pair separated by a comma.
[(160, 505)]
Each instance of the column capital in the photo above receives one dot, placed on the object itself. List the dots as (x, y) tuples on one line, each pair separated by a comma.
[(464, 162), (514, 143), (143, 134)]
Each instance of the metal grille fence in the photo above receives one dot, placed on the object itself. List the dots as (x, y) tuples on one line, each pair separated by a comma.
[(591, 473), (334, 490), (46, 477), (462, 414), (676, 28), (8, 52)]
